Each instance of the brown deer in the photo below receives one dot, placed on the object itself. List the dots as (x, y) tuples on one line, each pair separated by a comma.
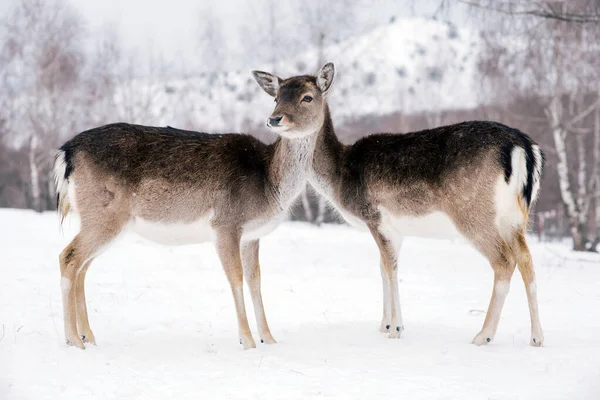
[(174, 186), (475, 179)]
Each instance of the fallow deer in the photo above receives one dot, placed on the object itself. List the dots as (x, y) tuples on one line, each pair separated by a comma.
[(475, 179), (175, 186)]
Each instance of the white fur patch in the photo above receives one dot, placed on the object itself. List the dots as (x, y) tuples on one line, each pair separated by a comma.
[(179, 233), (258, 228), (434, 225), (60, 166), (533, 289), (537, 172), (502, 288), (199, 231), (65, 284), (62, 184), (296, 169), (509, 216), (71, 189), (518, 178)]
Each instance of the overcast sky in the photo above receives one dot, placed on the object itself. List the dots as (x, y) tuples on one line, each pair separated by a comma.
[(170, 28)]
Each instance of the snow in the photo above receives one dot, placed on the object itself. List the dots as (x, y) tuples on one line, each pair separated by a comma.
[(165, 322)]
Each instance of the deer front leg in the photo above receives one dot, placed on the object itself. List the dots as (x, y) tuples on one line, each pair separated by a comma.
[(396, 325), (387, 314), (387, 287), (228, 248), (252, 276), (389, 274)]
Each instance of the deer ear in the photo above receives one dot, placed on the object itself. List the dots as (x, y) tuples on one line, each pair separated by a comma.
[(268, 82), (325, 77)]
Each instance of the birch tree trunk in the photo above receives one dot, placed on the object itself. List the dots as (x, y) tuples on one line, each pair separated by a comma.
[(554, 112), (583, 200), (34, 175), (556, 116), (595, 178)]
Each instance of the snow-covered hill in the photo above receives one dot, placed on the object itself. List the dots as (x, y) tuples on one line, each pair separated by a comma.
[(410, 65), (166, 328)]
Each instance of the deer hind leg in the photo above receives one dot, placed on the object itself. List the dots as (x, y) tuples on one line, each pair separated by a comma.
[(251, 267), (525, 265), (228, 248), (74, 261), (83, 324), (70, 262), (503, 263), (389, 276)]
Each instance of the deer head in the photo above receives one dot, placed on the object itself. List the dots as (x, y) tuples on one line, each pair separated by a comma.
[(301, 101)]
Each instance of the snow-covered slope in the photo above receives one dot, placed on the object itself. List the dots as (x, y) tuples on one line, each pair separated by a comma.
[(166, 328), (409, 65)]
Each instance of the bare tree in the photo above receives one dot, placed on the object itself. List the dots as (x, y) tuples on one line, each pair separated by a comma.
[(554, 59), (43, 55), (579, 12), (102, 78)]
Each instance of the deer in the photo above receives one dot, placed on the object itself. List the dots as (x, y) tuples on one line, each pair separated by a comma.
[(176, 186), (476, 179)]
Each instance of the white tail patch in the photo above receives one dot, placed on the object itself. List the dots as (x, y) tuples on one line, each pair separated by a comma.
[(60, 167), (537, 172), (518, 179), (509, 214), (62, 184)]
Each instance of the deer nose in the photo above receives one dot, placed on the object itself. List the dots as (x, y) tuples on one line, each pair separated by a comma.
[(274, 121)]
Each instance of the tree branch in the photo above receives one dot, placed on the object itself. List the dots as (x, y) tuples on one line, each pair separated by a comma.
[(546, 13), (585, 112)]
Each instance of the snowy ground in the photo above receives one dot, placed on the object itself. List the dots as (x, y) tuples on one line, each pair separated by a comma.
[(165, 322)]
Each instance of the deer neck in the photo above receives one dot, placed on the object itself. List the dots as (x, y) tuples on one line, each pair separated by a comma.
[(325, 173), (289, 167)]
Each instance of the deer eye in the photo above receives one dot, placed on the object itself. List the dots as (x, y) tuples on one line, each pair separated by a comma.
[(307, 99), (275, 100)]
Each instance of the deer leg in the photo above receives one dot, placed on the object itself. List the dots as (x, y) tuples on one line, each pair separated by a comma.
[(228, 248), (389, 286), (504, 266), (387, 314), (74, 260), (83, 323), (70, 263), (251, 267), (397, 325), (525, 265), (389, 273)]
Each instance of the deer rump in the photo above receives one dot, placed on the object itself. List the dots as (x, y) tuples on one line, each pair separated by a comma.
[(444, 182)]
